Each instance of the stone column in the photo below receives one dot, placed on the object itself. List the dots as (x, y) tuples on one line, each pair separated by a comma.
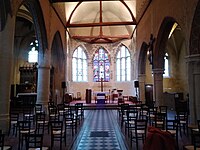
[(194, 86), (6, 60), (141, 78), (158, 86), (43, 83)]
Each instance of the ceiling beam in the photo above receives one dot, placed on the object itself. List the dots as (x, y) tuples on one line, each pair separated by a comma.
[(57, 1), (102, 36), (73, 25)]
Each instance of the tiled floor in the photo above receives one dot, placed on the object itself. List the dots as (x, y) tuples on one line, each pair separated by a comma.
[(100, 132)]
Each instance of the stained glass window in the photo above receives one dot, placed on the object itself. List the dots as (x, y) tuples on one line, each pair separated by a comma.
[(79, 65), (123, 64), (101, 66)]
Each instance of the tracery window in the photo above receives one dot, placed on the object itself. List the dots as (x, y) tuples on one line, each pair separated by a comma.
[(101, 66), (123, 64), (79, 65)]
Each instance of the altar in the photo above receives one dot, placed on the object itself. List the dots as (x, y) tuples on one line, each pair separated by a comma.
[(100, 97)]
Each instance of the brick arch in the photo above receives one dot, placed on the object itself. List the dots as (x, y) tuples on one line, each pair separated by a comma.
[(161, 41), (35, 9), (142, 58), (194, 44)]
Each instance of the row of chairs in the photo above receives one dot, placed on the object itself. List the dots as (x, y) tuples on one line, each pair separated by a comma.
[(132, 116), (57, 120)]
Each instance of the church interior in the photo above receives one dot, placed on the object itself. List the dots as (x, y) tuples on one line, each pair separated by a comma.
[(100, 74)]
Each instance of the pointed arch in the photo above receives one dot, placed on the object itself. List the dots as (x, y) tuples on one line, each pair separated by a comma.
[(35, 9), (123, 63), (57, 52), (142, 58), (79, 65), (161, 41)]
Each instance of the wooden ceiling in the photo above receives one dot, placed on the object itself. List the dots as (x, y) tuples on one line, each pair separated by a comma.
[(104, 21)]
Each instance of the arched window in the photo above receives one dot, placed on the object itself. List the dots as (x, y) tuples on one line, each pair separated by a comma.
[(79, 65), (123, 64), (166, 59), (101, 66), (33, 53)]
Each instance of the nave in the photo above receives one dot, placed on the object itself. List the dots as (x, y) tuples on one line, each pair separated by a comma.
[(99, 130)]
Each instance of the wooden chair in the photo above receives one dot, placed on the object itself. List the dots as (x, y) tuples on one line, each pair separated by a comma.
[(163, 109), (182, 118), (123, 114), (140, 132), (13, 122), (132, 115), (172, 128), (196, 143), (24, 128), (41, 123), (57, 133), (61, 111), (159, 121), (151, 114), (2, 146), (35, 141), (69, 122), (80, 110)]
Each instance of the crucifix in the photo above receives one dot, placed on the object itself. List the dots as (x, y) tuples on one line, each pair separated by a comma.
[(101, 84)]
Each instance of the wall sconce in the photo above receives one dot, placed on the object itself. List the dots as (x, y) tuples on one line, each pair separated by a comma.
[(150, 49)]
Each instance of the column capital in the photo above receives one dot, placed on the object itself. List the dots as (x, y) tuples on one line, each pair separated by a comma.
[(158, 71), (141, 75)]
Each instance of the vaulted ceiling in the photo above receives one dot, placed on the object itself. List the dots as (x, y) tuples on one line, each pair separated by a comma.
[(104, 21)]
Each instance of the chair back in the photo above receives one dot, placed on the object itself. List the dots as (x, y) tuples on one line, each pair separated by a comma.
[(24, 127), (38, 108), (56, 126), (34, 141)]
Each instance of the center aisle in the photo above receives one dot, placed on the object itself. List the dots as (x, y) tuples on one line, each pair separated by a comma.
[(100, 131)]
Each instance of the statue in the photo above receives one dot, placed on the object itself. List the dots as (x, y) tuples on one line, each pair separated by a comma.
[(150, 47)]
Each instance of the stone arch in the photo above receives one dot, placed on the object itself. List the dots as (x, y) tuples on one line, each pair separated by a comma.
[(57, 50), (121, 44), (161, 41), (142, 58), (84, 49), (57, 72), (194, 45), (35, 9)]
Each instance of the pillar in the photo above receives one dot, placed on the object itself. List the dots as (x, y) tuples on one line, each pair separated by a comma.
[(6, 60), (193, 63), (43, 82), (141, 79), (158, 86)]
